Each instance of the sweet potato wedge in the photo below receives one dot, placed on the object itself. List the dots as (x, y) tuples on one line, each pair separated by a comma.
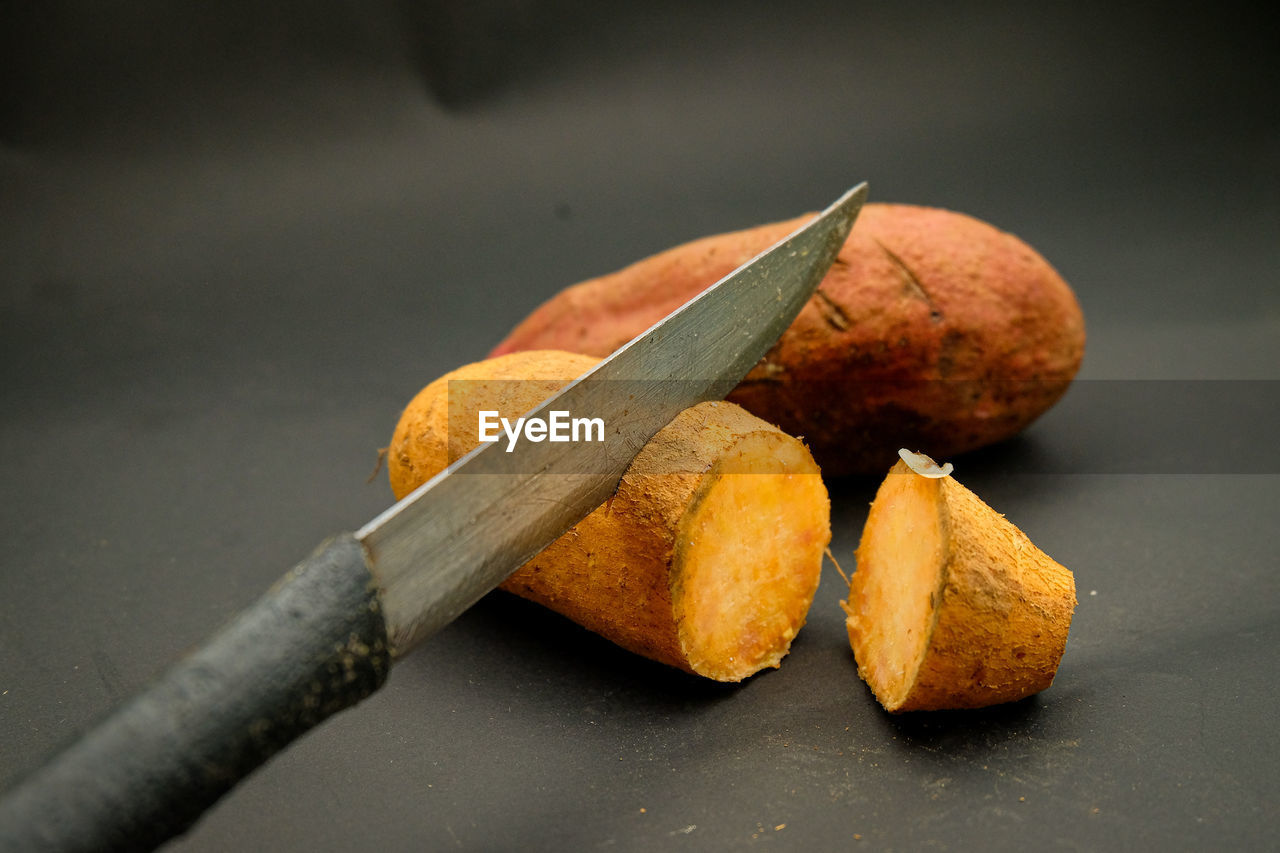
[(951, 606)]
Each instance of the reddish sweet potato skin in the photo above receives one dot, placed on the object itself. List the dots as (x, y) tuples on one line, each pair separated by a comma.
[(933, 329)]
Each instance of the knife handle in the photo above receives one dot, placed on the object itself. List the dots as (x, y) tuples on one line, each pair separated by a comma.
[(312, 646)]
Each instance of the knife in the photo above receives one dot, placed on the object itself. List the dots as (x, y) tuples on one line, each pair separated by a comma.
[(325, 635)]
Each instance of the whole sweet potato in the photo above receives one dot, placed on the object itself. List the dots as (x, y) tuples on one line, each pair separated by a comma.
[(932, 329)]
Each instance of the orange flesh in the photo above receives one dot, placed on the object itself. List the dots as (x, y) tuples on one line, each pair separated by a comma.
[(750, 558), (897, 585)]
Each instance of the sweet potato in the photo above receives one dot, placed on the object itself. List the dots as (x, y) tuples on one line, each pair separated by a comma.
[(706, 558), (951, 606), (932, 328)]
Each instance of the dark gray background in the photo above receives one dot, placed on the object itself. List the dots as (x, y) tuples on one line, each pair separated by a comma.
[(234, 243)]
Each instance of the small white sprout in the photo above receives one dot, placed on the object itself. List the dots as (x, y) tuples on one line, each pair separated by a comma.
[(924, 466)]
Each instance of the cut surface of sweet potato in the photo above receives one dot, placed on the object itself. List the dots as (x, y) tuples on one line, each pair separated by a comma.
[(748, 548)]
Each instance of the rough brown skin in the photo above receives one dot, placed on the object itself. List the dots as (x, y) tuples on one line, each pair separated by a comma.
[(706, 558), (932, 328), (951, 606)]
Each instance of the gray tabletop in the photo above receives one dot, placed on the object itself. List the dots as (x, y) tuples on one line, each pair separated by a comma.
[(234, 244)]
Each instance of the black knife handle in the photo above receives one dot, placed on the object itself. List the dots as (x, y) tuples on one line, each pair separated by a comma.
[(313, 645)]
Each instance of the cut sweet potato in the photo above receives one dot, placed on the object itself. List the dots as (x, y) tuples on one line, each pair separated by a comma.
[(706, 558), (951, 606)]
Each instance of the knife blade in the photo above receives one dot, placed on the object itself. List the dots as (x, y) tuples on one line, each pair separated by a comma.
[(324, 637)]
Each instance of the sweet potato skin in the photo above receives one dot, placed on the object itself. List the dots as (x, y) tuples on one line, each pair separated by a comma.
[(932, 328), (999, 636), (620, 571)]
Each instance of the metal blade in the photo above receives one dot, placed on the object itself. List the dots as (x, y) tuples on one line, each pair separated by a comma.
[(445, 545)]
